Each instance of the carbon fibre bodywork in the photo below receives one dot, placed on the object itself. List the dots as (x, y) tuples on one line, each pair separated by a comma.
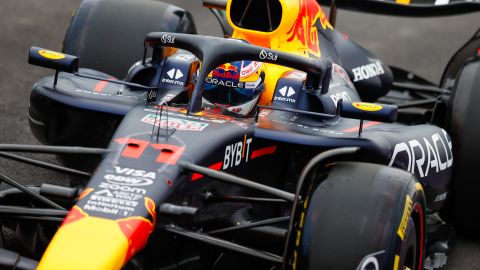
[(424, 150), (166, 148)]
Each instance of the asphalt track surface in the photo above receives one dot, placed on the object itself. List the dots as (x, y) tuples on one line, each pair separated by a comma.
[(421, 45)]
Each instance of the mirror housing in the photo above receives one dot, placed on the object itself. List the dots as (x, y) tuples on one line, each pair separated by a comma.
[(53, 60), (367, 111)]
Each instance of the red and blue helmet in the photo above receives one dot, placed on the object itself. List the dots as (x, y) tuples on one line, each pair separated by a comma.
[(235, 86)]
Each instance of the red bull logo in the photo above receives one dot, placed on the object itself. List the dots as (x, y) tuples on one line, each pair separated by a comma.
[(230, 67), (305, 27), (227, 71)]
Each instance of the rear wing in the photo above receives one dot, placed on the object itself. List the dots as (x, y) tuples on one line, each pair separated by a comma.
[(409, 8)]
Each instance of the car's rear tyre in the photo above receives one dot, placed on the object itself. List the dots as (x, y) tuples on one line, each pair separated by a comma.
[(362, 216), (464, 112), (108, 35)]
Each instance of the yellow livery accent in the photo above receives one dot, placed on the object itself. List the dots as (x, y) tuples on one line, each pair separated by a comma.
[(396, 263), (419, 187), (88, 243), (403, 2), (297, 33), (369, 107), (272, 73), (51, 54), (406, 215)]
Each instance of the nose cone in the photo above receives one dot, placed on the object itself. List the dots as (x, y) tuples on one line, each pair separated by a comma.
[(86, 242)]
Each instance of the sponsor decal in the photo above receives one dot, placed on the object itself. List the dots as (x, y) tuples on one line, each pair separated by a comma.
[(341, 95), (218, 82), (228, 67), (369, 107), (111, 95), (174, 75), (286, 92), (217, 118), (184, 57), (371, 261), (152, 95), (195, 117), (111, 206), (168, 97), (226, 74), (175, 123), (322, 130), (342, 74), (425, 154), (114, 199), (237, 153), (268, 55), (368, 71), (51, 54), (128, 181), (253, 85), (441, 197), (249, 69), (296, 75), (130, 177), (167, 39), (109, 187), (407, 210)]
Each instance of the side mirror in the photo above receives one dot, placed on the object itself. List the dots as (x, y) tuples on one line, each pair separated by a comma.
[(53, 60), (68, 63), (368, 111)]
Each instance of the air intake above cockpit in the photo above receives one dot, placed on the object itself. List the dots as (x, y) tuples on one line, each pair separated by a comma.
[(258, 15)]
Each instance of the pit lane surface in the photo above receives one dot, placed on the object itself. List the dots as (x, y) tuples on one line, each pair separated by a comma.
[(421, 45)]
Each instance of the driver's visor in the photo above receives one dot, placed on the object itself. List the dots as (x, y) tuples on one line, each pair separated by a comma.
[(231, 92)]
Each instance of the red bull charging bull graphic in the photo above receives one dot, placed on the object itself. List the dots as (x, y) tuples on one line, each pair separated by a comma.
[(305, 28)]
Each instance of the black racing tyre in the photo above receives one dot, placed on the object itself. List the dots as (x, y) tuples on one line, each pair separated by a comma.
[(362, 216), (408, 258), (464, 204), (108, 35)]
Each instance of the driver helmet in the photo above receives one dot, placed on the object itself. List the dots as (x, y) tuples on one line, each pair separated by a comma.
[(235, 87)]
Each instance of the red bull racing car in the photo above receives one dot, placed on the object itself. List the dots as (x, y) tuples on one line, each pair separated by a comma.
[(284, 145)]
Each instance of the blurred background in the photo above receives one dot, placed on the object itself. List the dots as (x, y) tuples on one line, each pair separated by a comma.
[(422, 45)]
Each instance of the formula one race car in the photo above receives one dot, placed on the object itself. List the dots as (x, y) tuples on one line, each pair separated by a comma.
[(284, 145)]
